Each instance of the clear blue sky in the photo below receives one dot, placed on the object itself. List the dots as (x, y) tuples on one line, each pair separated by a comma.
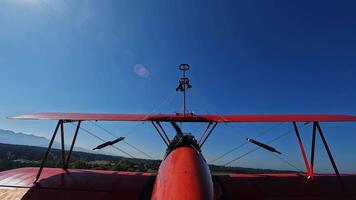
[(245, 57)]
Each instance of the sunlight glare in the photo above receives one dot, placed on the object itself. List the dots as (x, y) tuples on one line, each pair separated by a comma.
[(27, 2)]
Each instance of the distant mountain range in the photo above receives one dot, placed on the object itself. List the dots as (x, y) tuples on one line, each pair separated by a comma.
[(10, 137)]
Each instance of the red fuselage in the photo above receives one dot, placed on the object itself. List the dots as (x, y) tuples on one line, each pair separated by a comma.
[(183, 174)]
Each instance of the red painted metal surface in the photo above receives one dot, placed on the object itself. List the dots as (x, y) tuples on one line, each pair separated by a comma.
[(183, 175), (283, 186), (56, 184), (189, 117), (77, 184)]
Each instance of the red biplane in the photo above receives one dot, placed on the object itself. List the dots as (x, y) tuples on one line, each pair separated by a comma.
[(183, 173)]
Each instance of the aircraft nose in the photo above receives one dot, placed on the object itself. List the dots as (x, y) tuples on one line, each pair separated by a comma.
[(184, 174)]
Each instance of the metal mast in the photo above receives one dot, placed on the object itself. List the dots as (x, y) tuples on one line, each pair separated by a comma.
[(184, 85)]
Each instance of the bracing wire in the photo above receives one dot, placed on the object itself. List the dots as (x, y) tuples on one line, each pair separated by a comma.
[(137, 149), (228, 152), (113, 135), (166, 100), (132, 130), (243, 155), (239, 131), (288, 163), (202, 103), (257, 148), (245, 142), (101, 139)]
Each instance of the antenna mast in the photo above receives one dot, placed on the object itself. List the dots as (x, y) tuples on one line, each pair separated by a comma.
[(184, 85)]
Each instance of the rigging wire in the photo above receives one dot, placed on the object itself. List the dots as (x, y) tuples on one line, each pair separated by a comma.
[(156, 109), (137, 149), (257, 148), (245, 142), (200, 127), (288, 163), (202, 102), (205, 105), (166, 100), (113, 135), (230, 151), (243, 155), (101, 139), (239, 131), (110, 133)]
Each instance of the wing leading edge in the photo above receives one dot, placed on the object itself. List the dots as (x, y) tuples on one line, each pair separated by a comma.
[(188, 117)]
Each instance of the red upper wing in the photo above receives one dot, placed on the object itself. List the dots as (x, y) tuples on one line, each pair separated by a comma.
[(189, 118)]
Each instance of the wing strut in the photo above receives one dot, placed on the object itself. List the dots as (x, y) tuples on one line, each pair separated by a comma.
[(164, 132), (203, 134), (310, 167), (210, 131), (312, 149), (48, 150), (65, 161), (72, 146), (327, 149), (307, 166), (165, 139)]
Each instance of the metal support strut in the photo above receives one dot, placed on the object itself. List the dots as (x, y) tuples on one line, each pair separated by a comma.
[(65, 160), (72, 145), (312, 150), (160, 134), (307, 166), (310, 168), (203, 134), (184, 85), (48, 150), (63, 155), (327, 150), (164, 132), (211, 130)]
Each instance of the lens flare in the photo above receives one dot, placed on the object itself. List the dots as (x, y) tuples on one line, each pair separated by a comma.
[(141, 70)]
